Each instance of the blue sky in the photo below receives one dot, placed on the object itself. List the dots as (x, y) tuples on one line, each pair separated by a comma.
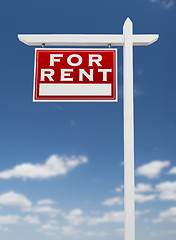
[(61, 171)]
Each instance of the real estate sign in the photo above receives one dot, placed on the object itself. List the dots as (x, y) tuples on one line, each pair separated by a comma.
[(75, 75)]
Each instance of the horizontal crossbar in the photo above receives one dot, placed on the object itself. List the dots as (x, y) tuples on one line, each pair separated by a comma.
[(84, 39)]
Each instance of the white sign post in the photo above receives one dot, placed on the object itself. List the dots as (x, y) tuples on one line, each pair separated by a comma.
[(129, 189), (127, 40)]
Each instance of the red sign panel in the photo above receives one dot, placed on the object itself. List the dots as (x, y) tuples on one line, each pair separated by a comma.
[(75, 75)]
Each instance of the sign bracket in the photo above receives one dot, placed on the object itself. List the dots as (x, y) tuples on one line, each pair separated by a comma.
[(85, 39)]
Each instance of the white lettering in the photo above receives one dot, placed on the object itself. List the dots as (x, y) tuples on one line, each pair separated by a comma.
[(74, 56), (48, 75), (95, 58), (66, 73), (83, 72), (104, 71), (54, 58)]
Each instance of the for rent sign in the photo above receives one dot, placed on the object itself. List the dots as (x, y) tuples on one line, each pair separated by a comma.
[(75, 75)]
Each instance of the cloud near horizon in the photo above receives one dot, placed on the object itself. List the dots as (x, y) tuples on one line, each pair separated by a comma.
[(172, 171), (109, 217), (14, 199), (167, 215), (152, 169), (46, 202), (113, 201), (167, 190), (54, 166)]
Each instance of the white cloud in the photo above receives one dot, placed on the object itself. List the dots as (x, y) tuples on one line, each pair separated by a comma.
[(4, 229), (113, 201), (91, 233), (49, 233), (166, 4), (54, 166), (15, 219), (44, 210), (140, 198), (167, 215), (119, 231), (171, 232), (53, 229), (9, 219), (143, 187), (140, 213), (49, 227), (52, 221), (167, 190), (152, 169), (95, 234), (69, 230), (31, 219), (119, 189), (109, 217), (46, 202), (14, 199), (74, 217), (161, 233), (172, 171)]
